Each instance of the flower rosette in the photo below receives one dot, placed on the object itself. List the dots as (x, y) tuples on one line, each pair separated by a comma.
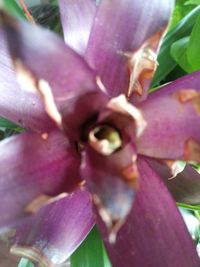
[(96, 144)]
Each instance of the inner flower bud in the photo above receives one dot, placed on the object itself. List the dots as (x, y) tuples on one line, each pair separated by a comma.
[(105, 139)]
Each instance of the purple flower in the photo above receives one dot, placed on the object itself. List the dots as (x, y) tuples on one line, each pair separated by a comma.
[(93, 136)]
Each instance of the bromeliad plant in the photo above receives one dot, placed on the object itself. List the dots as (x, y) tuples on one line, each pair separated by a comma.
[(95, 137)]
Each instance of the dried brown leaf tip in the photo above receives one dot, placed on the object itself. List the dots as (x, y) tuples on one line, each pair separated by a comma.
[(37, 203), (131, 175), (142, 65), (192, 150), (113, 225), (41, 201), (189, 95), (41, 87), (175, 167), (7, 21)]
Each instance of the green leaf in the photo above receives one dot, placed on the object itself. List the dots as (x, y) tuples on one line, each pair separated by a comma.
[(47, 15), (180, 11), (193, 51), (13, 8), (183, 29), (25, 263), (189, 207), (179, 53), (7, 124), (8, 128), (91, 252), (193, 2)]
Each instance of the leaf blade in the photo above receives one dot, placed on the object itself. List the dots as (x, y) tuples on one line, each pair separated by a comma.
[(91, 252)]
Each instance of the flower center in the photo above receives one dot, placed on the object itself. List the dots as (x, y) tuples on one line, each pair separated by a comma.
[(105, 139)]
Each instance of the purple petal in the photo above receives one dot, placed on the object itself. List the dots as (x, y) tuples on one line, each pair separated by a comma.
[(119, 30), (173, 121), (112, 180), (57, 230), (185, 187), (34, 167), (17, 105), (154, 234), (77, 18), (51, 68)]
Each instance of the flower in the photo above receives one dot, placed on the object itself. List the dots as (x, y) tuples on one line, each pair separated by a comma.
[(92, 127)]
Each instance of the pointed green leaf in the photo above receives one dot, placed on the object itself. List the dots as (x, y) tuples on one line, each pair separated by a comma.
[(25, 263), (193, 50), (13, 8), (8, 124), (179, 53), (193, 2), (91, 252), (180, 11), (183, 29), (189, 207)]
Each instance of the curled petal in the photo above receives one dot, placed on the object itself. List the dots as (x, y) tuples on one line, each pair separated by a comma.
[(112, 180), (124, 36), (77, 18), (33, 168), (56, 231), (185, 186), (154, 233), (22, 107), (173, 121)]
